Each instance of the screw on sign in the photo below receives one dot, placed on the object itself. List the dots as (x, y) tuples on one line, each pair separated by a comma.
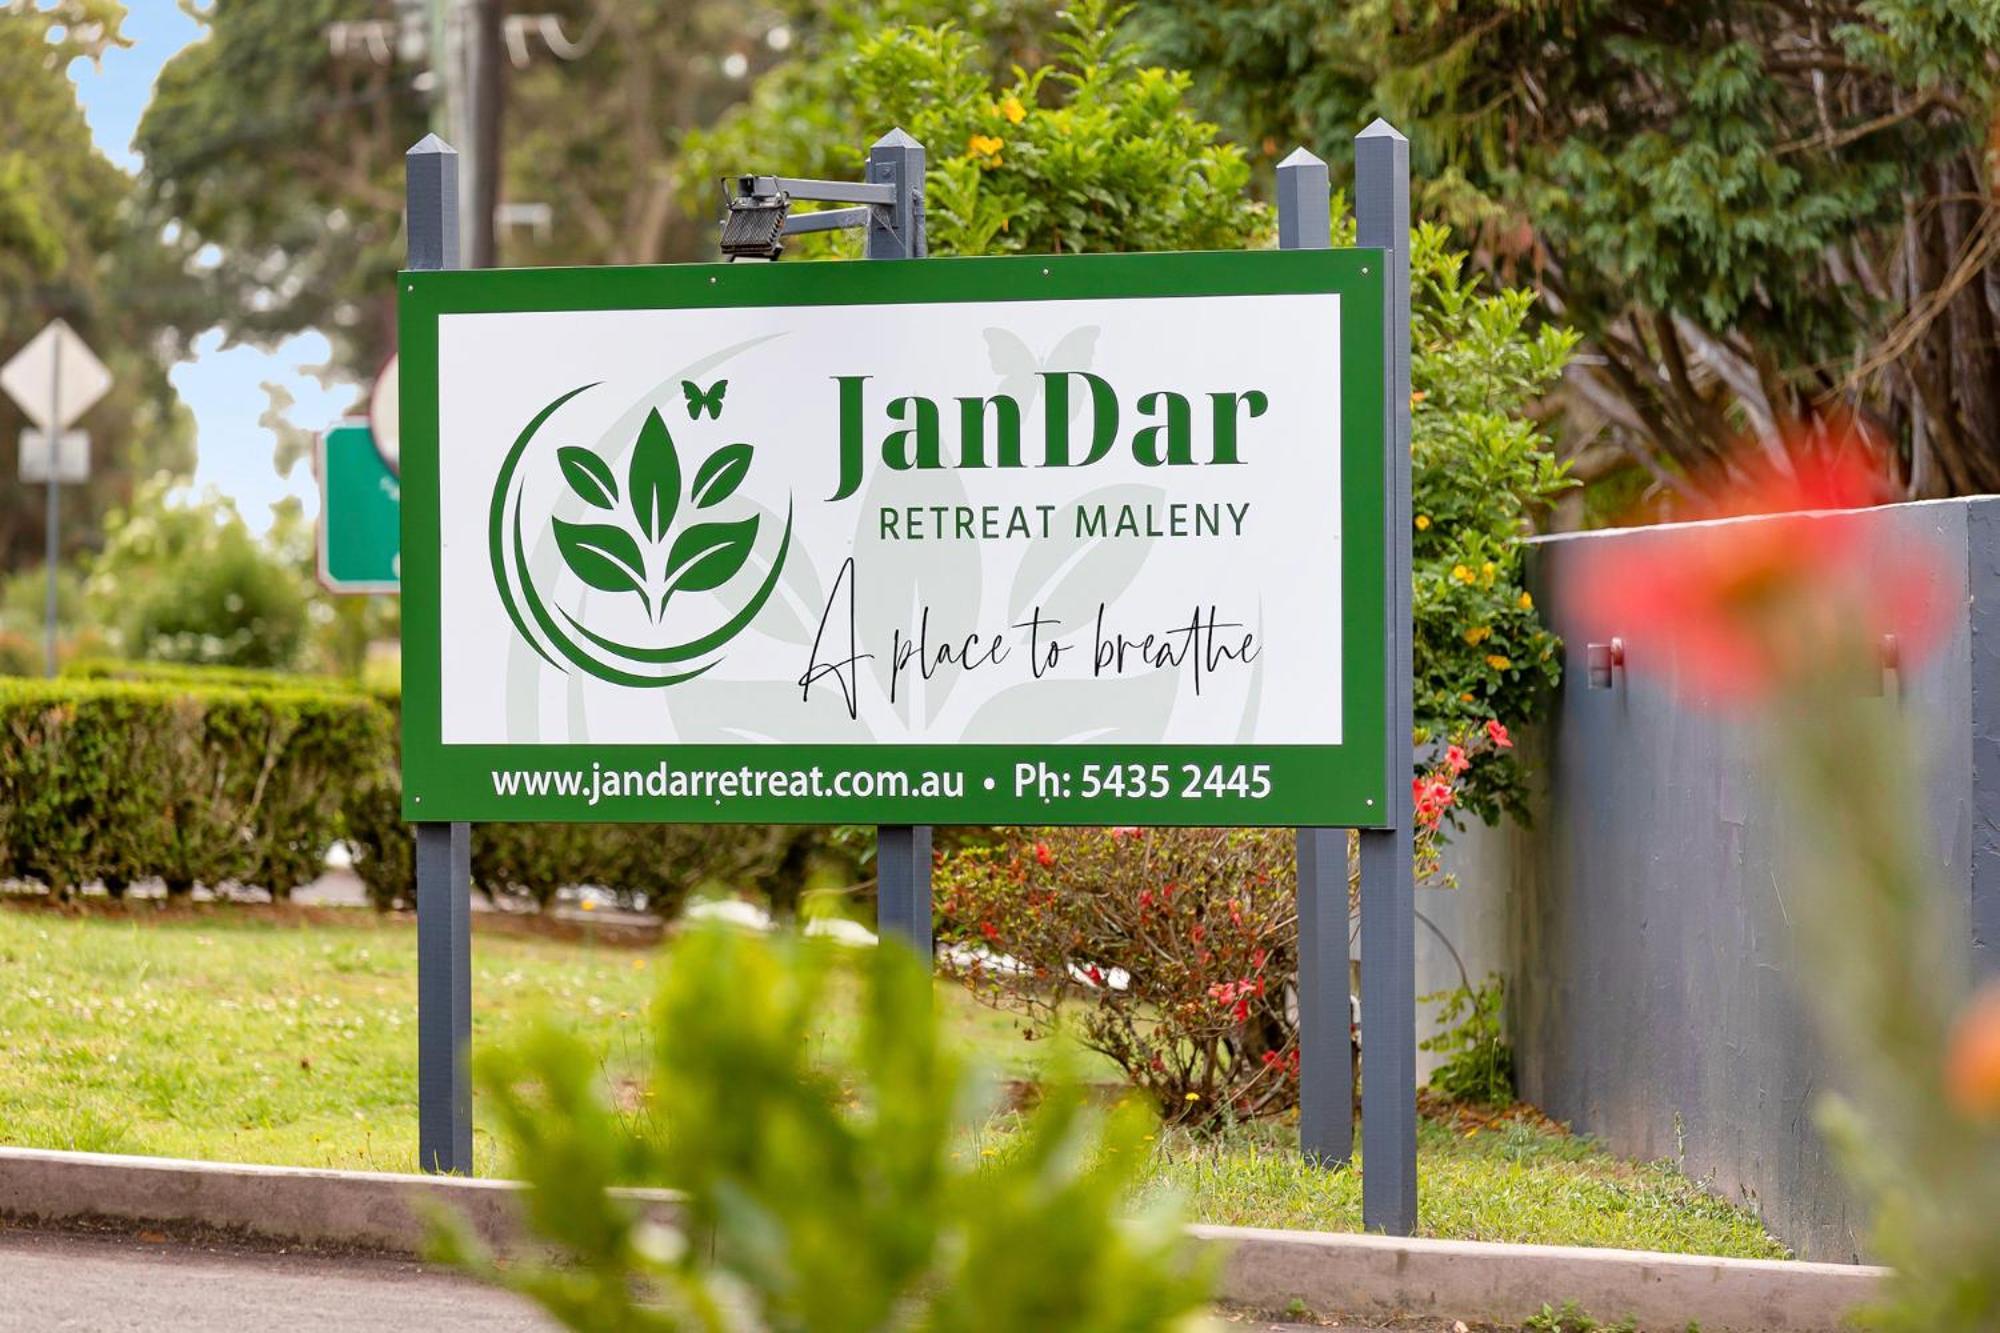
[(55, 379)]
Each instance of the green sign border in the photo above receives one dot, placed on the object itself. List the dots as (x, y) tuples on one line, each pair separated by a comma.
[(1313, 785)]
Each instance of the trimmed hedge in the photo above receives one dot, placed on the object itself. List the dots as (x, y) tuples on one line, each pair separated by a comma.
[(650, 867), (184, 673), (124, 771), (119, 781)]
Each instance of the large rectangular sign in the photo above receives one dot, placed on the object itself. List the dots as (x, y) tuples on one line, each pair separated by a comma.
[(1039, 540)]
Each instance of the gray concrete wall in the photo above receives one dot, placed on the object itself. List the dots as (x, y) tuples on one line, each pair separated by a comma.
[(1475, 918), (1647, 912)]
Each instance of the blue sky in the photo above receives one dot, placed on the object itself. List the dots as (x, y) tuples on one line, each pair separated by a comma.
[(221, 387)]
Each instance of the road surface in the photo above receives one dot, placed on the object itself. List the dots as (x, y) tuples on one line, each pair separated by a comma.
[(111, 1282), (106, 1283)]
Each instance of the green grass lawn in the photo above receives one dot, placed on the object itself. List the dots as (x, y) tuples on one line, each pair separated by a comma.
[(242, 1037), (1511, 1182)]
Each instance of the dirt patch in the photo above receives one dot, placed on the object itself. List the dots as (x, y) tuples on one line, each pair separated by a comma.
[(1467, 1116), (220, 1240)]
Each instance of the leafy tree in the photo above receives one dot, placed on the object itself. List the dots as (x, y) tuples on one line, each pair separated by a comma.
[(277, 169), (807, 116), (276, 160), (1098, 151), (1093, 150), (1759, 212), (69, 249), (183, 580)]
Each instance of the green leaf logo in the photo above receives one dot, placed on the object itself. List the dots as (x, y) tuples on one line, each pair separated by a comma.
[(630, 543), (707, 555), (720, 474), (589, 476), (603, 556), (654, 478)]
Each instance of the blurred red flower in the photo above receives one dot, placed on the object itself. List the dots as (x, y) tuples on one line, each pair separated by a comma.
[(1774, 580), (1972, 1062)]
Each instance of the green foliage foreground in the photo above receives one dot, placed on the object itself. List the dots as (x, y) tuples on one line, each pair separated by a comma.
[(821, 1194)]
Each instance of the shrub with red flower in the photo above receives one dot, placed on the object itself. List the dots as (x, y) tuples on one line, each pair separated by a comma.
[(1172, 951), (1168, 950), (1435, 792)]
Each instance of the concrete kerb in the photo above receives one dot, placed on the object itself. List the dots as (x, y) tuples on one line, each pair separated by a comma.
[(1385, 1277), (1350, 1276), (360, 1209)]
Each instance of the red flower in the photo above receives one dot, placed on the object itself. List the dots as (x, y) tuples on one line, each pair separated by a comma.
[(1431, 796), (1257, 957), (1454, 757), (1498, 734), (1242, 1011), (1043, 855)]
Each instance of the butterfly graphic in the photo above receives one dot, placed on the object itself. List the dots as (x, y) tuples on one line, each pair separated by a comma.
[(1020, 370), (697, 400)]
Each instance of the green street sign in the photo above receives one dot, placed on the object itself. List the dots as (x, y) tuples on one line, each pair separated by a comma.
[(360, 514), (1061, 539)]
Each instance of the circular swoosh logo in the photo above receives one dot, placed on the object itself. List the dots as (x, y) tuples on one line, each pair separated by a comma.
[(644, 533)]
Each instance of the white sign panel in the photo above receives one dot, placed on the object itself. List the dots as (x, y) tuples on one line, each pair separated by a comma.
[(72, 458), (1119, 555)]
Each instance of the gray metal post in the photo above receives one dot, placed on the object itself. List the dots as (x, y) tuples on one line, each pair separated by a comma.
[(1388, 870), (444, 998), (1326, 1071), (52, 547), (444, 851), (902, 851), (897, 159), (903, 884)]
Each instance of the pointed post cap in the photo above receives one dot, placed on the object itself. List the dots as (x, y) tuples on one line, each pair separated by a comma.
[(1302, 157), (1379, 128), (430, 146), (896, 138)]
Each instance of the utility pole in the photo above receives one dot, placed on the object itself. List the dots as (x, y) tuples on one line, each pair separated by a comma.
[(484, 97), (466, 45), (467, 40)]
